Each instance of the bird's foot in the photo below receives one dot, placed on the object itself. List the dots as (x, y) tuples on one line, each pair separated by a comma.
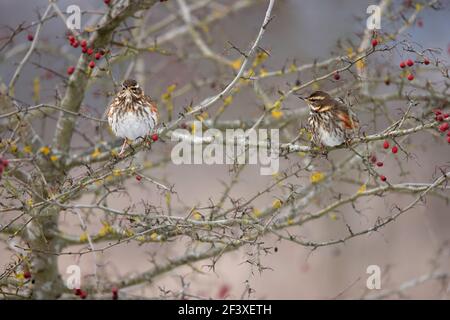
[(348, 143), (122, 150)]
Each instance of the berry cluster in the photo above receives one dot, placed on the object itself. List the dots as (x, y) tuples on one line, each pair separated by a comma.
[(85, 49), (410, 63), (444, 127), (83, 294), (3, 165), (375, 161)]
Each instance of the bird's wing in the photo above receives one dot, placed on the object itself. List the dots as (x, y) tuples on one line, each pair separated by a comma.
[(153, 108), (347, 116), (113, 104)]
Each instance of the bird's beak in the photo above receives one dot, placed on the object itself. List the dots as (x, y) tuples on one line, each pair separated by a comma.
[(302, 98)]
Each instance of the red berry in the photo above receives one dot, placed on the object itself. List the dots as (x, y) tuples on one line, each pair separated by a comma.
[(75, 44), (90, 51), (30, 37), (5, 163), (83, 43), (445, 115), (83, 295), (337, 76), (70, 70), (91, 64), (138, 178), (84, 49), (420, 23), (410, 77), (383, 178), (394, 149), (107, 2), (373, 158), (448, 134), (155, 137), (71, 38), (78, 292), (98, 55), (448, 139), (402, 64), (409, 62), (115, 293), (379, 164), (223, 291), (437, 112), (27, 274), (374, 43), (444, 127), (440, 118), (426, 61), (386, 144)]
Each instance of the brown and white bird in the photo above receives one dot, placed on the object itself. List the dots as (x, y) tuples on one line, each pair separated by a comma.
[(330, 121), (132, 114)]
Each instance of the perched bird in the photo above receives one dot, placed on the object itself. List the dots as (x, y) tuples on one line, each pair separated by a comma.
[(330, 121), (132, 114)]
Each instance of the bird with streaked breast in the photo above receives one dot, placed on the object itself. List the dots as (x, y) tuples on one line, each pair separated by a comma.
[(132, 114), (330, 121)]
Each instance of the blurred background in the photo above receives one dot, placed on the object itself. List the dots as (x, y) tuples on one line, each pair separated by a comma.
[(304, 31)]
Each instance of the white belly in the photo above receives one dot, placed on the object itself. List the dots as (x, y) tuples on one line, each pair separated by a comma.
[(131, 126), (330, 140)]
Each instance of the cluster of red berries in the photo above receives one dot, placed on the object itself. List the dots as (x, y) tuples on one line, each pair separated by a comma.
[(386, 145), (3, 165), (408, 63), (375, 161), (83, 294), (444, 127), (84, 49)]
